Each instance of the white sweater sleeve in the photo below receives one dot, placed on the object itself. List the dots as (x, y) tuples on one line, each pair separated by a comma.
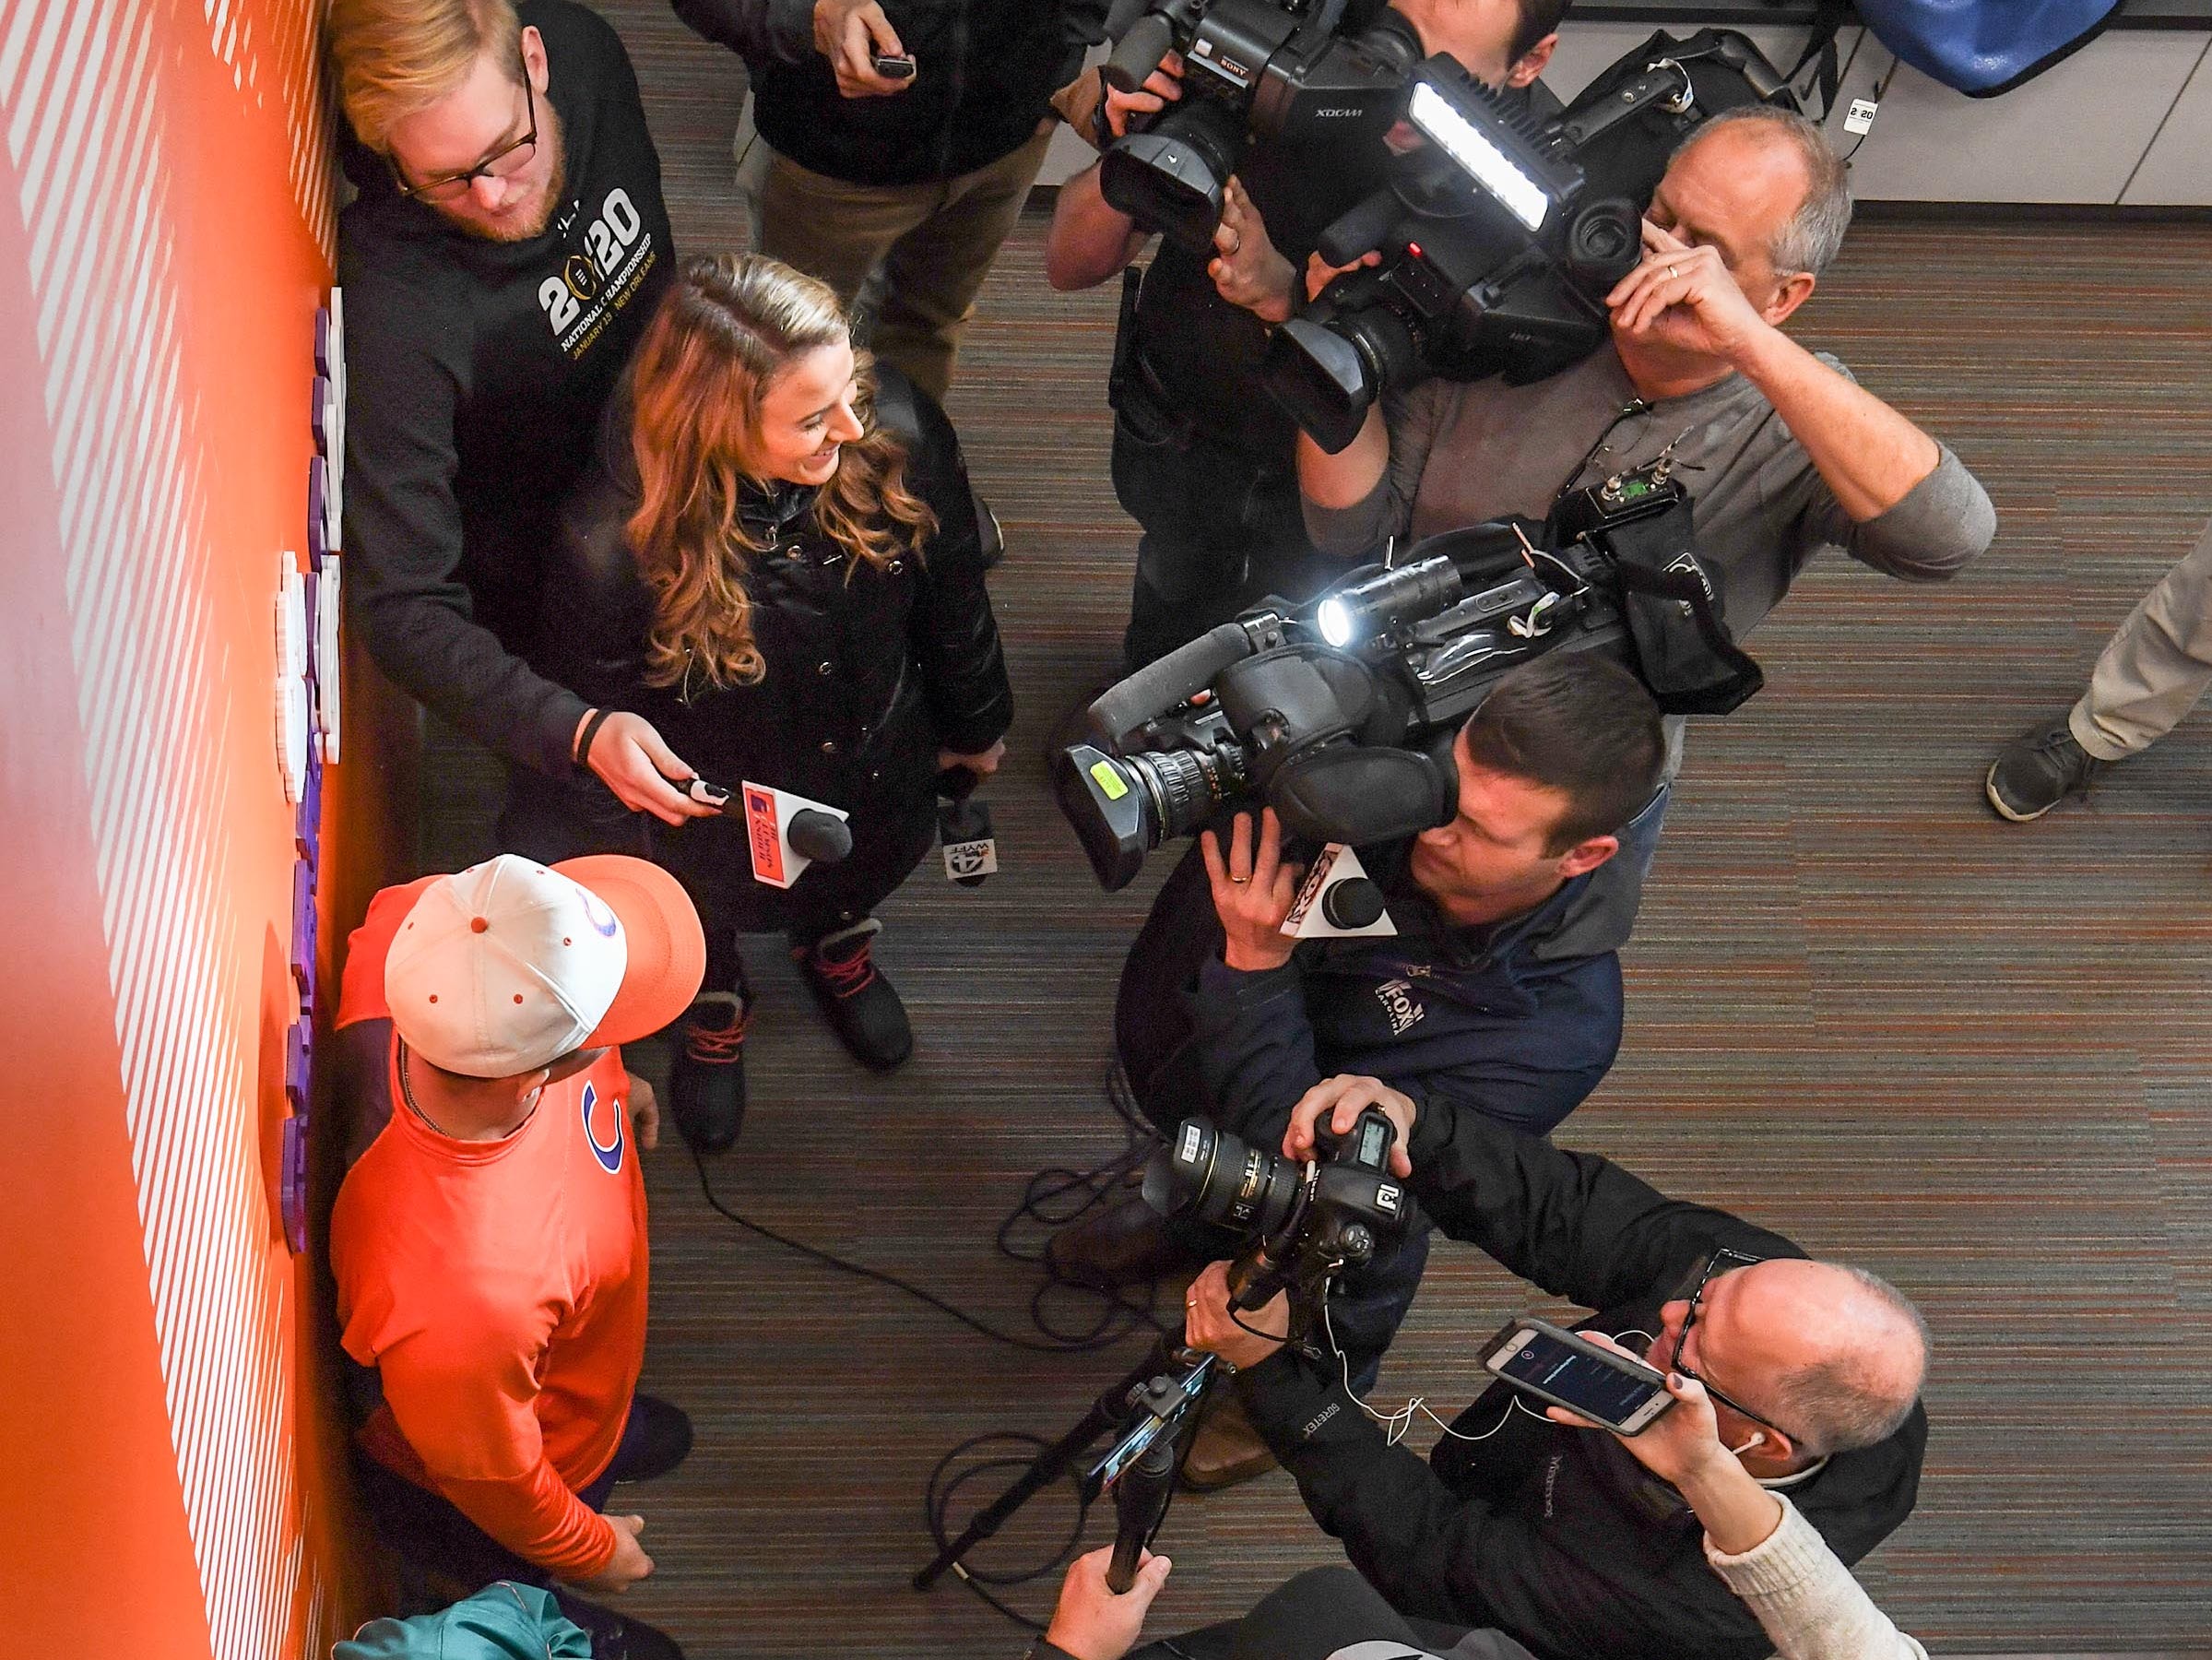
[(1807, 1599)]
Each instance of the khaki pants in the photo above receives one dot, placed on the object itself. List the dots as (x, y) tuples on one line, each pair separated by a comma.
[(2155, 667), (933, 242)]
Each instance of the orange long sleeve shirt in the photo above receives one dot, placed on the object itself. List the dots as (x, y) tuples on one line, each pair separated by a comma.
[(498, 1289)]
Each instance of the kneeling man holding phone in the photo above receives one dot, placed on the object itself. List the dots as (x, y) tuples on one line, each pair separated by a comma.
[(1524, 1520)]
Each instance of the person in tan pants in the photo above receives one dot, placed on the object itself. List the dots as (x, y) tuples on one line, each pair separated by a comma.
[(2150, 674), (898, 138)]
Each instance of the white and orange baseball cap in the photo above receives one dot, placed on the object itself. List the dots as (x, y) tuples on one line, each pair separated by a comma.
[(510, 964)]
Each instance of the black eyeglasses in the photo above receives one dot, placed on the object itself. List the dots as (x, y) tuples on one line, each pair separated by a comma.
[(501, 163), (1721, 1261)]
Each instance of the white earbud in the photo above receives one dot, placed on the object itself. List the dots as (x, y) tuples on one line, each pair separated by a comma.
[(1758, 1438)]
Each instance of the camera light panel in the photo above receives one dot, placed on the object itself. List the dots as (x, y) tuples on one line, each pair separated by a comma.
[(1473, 149)]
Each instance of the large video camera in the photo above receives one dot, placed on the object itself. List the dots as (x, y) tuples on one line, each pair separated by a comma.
[(1302, 1223), (1341, 715), (1500, 238), (1253, 70)]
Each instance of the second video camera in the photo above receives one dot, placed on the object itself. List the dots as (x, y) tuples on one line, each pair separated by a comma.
[(1341, 714), (1501, 237), (1252, 70)]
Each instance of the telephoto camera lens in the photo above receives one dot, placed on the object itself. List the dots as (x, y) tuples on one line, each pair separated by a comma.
[(1210, 1174)]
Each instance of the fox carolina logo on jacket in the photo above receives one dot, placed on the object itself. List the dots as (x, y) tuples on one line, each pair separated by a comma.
[(1398, 1004)]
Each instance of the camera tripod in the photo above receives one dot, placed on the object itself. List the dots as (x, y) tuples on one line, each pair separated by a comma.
[(1148, 1414)]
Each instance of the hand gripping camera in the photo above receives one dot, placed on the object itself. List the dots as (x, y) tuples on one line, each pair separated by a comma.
[(1302, 1223), (1500, 238), (1252, 70), (1341, 715)]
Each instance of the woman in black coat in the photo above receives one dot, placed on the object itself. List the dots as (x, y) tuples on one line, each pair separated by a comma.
[(788, 589)]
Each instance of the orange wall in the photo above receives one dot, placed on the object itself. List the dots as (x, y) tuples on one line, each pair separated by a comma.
[(164, 242)]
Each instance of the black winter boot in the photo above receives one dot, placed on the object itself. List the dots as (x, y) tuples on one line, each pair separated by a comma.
[(707, 1080), (862, 1008)]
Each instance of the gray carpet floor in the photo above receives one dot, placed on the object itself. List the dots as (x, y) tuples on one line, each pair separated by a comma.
[(1976, 1058)]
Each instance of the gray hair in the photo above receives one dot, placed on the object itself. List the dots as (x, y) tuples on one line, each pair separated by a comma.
[(1809, 239), (1860, 1397)]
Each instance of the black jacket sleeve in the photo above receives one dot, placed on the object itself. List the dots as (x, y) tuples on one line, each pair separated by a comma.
[(1254, 1045), (1433, 1554), (1256, 1049), (403, 538), (597, 609), (1576, 1224), (953, 632), (760, 31)]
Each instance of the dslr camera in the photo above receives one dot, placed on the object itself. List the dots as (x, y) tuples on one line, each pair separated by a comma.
[(1253, 71), (1301, 1222), (1501, 237), (1341, 714)]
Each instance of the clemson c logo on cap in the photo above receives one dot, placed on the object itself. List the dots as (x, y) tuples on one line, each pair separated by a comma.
[(597, 912), (610, 1157)]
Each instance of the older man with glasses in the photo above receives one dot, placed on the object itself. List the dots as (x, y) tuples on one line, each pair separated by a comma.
[(1557, 1536), (506, 251)]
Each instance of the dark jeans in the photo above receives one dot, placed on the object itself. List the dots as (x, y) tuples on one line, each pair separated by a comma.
[(1220, 531), (428, 1531), (553, 819)]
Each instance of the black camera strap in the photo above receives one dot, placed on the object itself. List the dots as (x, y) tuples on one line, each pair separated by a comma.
[(1121, 374)]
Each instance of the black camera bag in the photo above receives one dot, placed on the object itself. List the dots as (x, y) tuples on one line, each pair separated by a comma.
[(1684, 654)]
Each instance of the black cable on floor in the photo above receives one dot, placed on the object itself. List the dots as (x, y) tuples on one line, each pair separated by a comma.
[(937, 1499), (1043, 1205), (1104, 1335)]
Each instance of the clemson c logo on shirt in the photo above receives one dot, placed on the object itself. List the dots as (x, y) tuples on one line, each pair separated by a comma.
[(609, 1155)]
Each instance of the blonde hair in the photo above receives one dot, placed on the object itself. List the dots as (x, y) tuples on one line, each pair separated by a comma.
[(395, 58), (728, 327)]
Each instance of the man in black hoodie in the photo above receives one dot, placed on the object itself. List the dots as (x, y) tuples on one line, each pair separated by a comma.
[(1556, 1535), (507, 248), (921, 170)]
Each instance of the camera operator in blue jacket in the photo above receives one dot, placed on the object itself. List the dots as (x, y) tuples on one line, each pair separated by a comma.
[(1500, 993)]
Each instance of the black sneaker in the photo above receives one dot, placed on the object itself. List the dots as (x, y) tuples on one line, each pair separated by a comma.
[(658, 1439), (706, 1081), (863, 1010), (2038, 770)]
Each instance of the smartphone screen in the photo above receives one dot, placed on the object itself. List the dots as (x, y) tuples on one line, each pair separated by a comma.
[(1587, 1384)]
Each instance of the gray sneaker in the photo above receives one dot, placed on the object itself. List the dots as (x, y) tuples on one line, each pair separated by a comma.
[(2038, 770)]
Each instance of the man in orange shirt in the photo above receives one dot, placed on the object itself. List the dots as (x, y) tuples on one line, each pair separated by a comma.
[(489, 1245)]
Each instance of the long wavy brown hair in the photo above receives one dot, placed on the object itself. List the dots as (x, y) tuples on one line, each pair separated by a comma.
[(731, 325)]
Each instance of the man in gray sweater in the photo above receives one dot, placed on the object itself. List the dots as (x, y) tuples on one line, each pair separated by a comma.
[(1783, 452)]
